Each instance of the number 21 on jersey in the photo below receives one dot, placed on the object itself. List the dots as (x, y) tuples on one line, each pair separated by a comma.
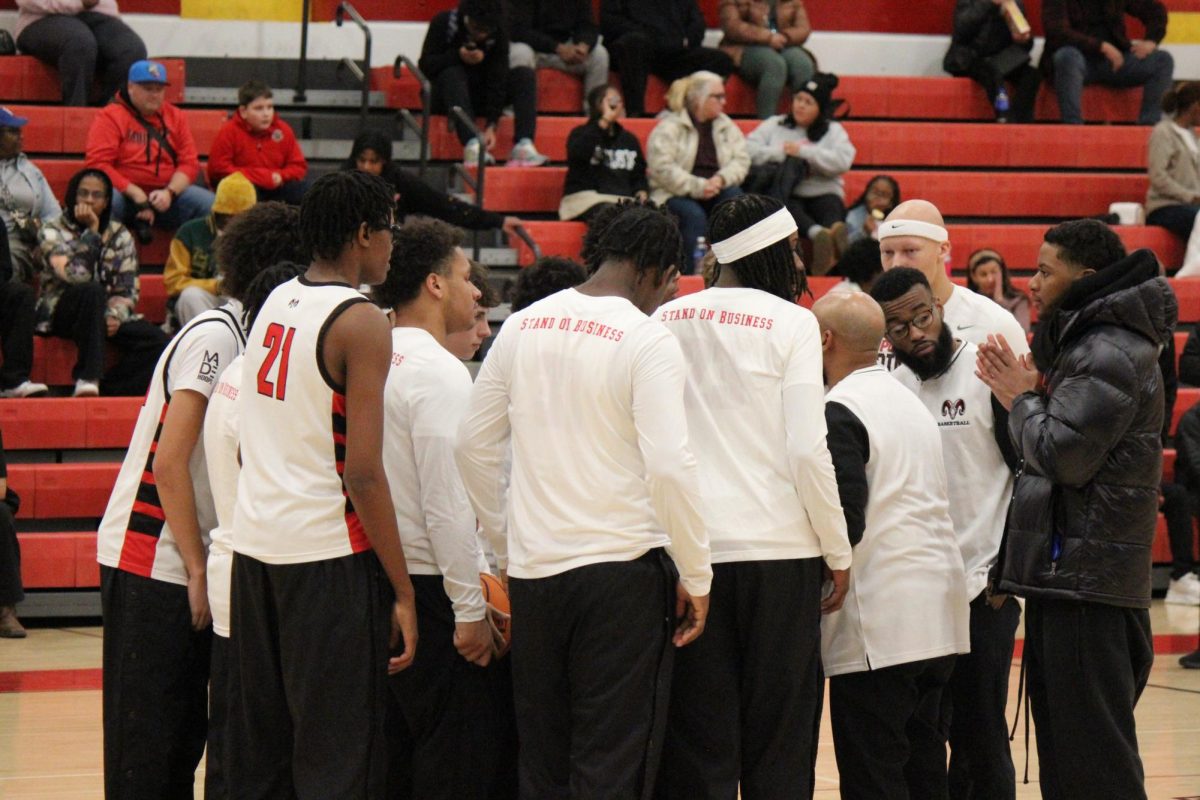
[(279, 343)]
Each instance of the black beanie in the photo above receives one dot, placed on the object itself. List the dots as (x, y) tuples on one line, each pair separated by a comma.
[(821, 86)]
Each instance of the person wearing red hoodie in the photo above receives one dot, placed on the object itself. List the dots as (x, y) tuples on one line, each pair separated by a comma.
[(261, 146), (144, 145)]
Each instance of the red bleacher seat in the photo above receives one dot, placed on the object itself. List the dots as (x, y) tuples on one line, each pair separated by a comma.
[(27, 80), (110, 421), (45, 423), (73, 490), (59, 560), (204, 124)]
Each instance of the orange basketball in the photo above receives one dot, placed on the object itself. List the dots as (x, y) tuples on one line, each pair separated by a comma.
[(494, 594)]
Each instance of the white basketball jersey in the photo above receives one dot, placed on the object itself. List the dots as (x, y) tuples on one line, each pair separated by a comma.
[(292, 506), (221, 450)]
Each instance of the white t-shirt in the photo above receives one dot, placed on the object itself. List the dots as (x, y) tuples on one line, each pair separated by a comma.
[(755, 408), (907, 599), (221, 447), (427, 393), (134, 535), (590, 391), (980, 482), (971, 317)]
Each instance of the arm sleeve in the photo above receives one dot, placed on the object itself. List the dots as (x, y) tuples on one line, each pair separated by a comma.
[(807, 448), (524, 27), (585, 30), (833, 155), (761, 142), (177, 273), (200, 357), (736, 29), (48, 207), (615, 21), (664, 164), (798, 32), (103, 148), (582, 143), (124, 288), (1059, 32), (850, 449), (220, 155), (658, 377), (1067, 436), (448, 517), (436, 53), (1163, 148), (1000, 431), (695, 26), (1189, 362), (483, 441), (1153, 13), (418, 197)]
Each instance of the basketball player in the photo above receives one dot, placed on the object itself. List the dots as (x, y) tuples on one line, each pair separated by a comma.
[(914, 235), (589, 389), (890, 650), (268, 233), (152, 547), (465, 344), (315, 540), (980, 461), (745, 696)]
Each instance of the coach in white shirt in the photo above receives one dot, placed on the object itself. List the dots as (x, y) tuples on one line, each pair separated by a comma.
[(914, 235), (603, 487), (980, 461), (890, 650), (745, 696)]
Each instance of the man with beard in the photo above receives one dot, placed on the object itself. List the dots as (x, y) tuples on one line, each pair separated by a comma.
[(940, 370), (1084, 507)]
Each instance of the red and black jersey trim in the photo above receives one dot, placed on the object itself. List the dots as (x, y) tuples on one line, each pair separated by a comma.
[(354, 526), (146, 517), (325, 326)]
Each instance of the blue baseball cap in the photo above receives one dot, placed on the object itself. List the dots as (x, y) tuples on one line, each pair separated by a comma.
[(11, 120), (148, 72)]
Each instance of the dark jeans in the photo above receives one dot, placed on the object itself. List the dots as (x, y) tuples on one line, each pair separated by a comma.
[(889, 731), (17, 306), (291, 192), (465, 86), (746, 696), (77, 44), (1073, 70), (591, 676), (1026, 80), (693, 219), (155, 687), (636, 55), (1178, 509), (1086, 666), (823, 210), (11, 589), (981, 765), (1177, 219)]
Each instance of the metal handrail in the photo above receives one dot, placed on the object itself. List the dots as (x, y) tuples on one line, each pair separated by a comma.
[(406, 116), (302, 73), (363, 74), (475, 183)]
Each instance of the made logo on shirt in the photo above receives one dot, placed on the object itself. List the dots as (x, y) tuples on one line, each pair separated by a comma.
[(210, 366), (951, 411)]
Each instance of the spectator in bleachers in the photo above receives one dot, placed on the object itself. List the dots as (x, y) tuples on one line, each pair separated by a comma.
[(261, 146), (764, 38), (1184, 586), (873, 205), (985, 49), (76, 37), (544, 277), (559, 34), (665, 39), (605, 163), (191, 276), (18, 304), (803, 155), (1086, 43), (466, 57), (697, 158), (1173, 199), (11, 589), (372, 153), (858, 267), (987, 274), (26, 199), (89, 291), (145, 147)]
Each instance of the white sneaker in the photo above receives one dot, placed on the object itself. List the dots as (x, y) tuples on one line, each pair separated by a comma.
[(524, 154), (87, 389), (1184, 591), (471, 154), (26, 389)]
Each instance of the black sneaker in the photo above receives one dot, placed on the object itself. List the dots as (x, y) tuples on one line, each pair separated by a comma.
[(1191, 660)]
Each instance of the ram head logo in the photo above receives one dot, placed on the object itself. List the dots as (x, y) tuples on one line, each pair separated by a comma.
[(954, 410)]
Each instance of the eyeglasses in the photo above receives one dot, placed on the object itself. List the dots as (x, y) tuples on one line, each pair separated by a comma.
[(921, 322)]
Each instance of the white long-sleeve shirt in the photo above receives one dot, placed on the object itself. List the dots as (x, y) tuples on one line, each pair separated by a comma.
[(426, 395), (755, 405), (590, 392)]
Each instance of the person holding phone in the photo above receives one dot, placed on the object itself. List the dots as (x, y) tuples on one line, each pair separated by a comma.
[(605, 163)]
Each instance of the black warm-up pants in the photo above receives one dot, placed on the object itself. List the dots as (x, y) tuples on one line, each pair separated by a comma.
[(219, 690), (17, 311), (889, 731), (310, 644), (591, 672), (466, 87), (981, 766), (1086, 666), (746, 696)]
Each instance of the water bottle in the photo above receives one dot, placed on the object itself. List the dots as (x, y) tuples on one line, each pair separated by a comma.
[(1002, 105), (698, 254)]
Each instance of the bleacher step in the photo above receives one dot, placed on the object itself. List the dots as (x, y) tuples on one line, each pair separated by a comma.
[(286, 98)]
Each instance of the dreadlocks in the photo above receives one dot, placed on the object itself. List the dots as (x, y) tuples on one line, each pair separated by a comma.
[(337, 205), (645, 235), (259, 289), (772, 269), (262, 235)]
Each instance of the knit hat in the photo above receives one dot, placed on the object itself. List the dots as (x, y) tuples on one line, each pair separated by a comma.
[(821, 86), (235, 194)]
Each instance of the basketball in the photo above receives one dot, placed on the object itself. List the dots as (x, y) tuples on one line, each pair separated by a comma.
[(494, 594)]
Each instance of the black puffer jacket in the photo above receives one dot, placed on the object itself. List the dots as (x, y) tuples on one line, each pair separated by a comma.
[(1085, 504)]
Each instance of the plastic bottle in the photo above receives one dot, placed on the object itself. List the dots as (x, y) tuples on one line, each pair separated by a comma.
[(698, 254), (1002, 105)]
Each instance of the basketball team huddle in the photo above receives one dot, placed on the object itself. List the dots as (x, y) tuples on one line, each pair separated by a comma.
[(621, 564)]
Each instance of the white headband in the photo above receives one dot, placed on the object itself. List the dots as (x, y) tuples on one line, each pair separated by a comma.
[(911, 227), (763, 233)]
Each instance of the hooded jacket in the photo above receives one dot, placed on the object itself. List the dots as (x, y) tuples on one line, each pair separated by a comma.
[(1085, 503), (119, 144), (256, 154)]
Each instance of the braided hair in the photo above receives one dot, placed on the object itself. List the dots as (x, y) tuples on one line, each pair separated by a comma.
[(645, 235), (262, 235), (260, 288), (772, 269), (337, 205)]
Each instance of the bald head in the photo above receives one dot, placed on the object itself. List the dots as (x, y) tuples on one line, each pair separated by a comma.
[(853, 318), (911, 246), (918, 211)]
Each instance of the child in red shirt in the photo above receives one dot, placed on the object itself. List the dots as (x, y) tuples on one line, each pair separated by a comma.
[(256, 143)]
